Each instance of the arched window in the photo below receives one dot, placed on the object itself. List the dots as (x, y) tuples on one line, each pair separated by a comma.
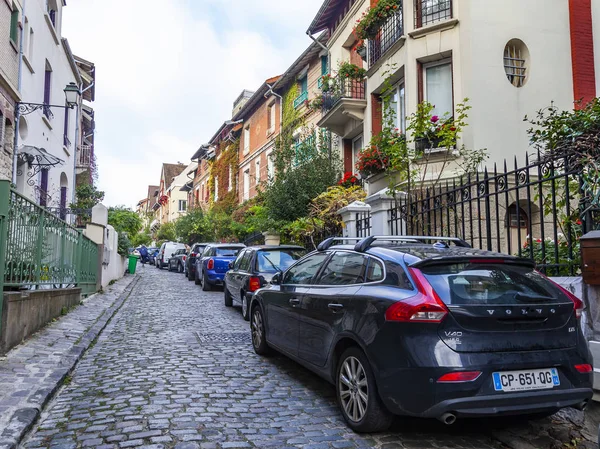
[(517, 218), (53, 11)]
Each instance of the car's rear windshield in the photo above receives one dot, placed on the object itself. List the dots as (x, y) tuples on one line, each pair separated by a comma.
[(494, 283), (227, 252), (275, 260)]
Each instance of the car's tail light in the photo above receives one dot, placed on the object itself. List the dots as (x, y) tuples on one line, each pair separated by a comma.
[(577, 303), (459, 377), (211, 264), (253, 284), (192, 254), (584, 368), (425, 307)]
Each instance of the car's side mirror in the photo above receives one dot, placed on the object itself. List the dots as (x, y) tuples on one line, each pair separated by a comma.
[(230, 265), (276, 279)]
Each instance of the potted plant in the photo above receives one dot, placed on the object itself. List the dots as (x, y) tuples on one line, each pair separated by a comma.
[(368, 26), (361, 49), (349, 180), (347, 70), (372, 161)]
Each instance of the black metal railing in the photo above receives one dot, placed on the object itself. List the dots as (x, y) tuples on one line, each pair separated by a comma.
[(538, 211), (428, 12), (343, 89), (363, 224), (388, 35)]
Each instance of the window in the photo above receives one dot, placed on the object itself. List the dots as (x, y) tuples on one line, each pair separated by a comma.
[(270, 166), (216, 188), (66, 141), (203, 195), (44, 187), (303, 84), (230, 187), (2, 130), (257, 171), (272, 261), (47, 87), (246, 139), (14, 24), (438, 88), (52, 12), (232, 251), (304, 271), (30, 44), (246, 261), (324, 65), (398, 107), (428, 12), (271, 119), (238, 260), (516, 56), (374, 271), (182, 205), (344, 269), (246, 184), (517, 217)]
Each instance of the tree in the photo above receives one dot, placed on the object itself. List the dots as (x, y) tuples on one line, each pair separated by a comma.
[(166, 233), (86, 197), (124, 220), (193, 227), (141, 238)]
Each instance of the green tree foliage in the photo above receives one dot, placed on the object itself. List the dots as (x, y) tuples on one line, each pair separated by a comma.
[(125, 220), (166, 233), (86, 197), (141, 238), (124, 244), (193, 227)]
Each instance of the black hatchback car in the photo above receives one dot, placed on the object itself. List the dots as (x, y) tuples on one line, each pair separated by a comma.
[(190, 264), (402, 326), (254, 268)]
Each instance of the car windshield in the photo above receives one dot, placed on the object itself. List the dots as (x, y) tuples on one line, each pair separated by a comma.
[(495, 284), (227, 252), (272, 261)]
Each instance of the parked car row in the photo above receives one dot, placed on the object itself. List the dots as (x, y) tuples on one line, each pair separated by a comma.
[(425, 327)]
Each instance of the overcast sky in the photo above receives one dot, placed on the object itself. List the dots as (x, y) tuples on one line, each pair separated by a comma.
[(168, 72)]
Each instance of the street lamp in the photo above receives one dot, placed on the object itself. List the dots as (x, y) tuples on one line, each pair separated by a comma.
[(72, 95)]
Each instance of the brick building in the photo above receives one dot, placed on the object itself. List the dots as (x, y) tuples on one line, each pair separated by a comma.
[(11, 25)]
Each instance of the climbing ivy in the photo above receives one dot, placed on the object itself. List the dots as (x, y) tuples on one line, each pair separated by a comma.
[(226, 162)]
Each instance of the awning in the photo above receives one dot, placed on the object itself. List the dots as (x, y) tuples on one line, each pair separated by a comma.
[(37, 159)]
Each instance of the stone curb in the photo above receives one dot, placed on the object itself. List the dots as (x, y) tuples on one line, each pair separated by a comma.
[(23, 420)]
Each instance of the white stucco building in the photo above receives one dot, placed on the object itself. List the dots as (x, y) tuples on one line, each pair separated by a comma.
[(48, 137), (510, 58)]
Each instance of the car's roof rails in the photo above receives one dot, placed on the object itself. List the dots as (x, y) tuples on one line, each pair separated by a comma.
[(328, 243), (366, 243)]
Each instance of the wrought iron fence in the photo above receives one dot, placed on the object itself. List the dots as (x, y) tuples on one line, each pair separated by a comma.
[(428, 12), (389, 34), (40, 251), (343, 89), (538, 211), (363, 224)]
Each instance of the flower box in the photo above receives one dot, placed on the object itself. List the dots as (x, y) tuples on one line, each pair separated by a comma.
[(425, 143)]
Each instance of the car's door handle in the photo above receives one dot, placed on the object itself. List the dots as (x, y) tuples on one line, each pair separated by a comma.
[(294, 302), (334, 307)]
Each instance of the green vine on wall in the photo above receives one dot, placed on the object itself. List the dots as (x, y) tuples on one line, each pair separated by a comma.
[(226, 162)]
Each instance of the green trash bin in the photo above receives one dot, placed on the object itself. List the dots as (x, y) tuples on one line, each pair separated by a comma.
[(132, 263)]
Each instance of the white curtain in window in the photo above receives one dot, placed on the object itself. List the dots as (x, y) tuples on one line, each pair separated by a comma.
[(439, 88)]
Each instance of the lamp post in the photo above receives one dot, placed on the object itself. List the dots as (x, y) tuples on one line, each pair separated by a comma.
[(72, 96)]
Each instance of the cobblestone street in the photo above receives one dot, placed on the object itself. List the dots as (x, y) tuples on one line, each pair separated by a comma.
[(175, 368)]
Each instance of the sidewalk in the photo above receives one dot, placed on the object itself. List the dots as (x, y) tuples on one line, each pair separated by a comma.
[(33, 371)]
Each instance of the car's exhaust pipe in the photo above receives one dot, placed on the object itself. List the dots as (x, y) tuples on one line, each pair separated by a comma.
[(582, 405), (448, 418)]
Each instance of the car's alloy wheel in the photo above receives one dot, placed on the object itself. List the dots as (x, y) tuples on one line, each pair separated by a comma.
[(354, 389), (245, 311), (257, 328), (357, 393)]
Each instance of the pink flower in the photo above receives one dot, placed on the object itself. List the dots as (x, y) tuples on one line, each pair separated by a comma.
[(435, 119)]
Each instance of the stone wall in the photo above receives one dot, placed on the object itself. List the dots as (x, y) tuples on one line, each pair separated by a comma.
[(24, 313)]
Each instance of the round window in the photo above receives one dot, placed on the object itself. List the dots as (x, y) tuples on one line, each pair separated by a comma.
[(23, 129), (516, 62)]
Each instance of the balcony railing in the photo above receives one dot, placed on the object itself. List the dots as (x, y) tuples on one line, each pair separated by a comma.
[(390, 33), (428, 12), (300, 100), (84, 158), (341, 90)]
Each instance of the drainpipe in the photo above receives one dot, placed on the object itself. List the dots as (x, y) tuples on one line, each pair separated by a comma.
[(76, 144), (17, 114)]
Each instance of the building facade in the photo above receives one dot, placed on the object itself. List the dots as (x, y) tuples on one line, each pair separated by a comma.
[(443, 51), (47, 138), (168, 174), (11, 26)]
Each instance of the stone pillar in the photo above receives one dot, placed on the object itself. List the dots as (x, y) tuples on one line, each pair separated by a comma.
[(348, 214), (380, 203), (272, 239), (100, 215)]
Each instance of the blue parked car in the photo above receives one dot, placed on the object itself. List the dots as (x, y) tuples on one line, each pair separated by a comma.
[(214, 263)]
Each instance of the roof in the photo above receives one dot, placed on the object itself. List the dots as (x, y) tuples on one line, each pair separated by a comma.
[(171, 171), (299, 64), (152, 191), (325, 14), (87, 71), (221, 245), (72, 63), (264, 247), (245, 94), (258, 96)]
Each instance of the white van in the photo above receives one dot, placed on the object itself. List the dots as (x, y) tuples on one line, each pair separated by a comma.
[(165, 252)]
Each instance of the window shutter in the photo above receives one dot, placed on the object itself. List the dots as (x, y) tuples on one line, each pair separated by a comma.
[(324, 65), (304, 84)]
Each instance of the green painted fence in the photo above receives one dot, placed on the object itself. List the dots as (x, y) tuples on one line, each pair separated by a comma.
[(38, 250)]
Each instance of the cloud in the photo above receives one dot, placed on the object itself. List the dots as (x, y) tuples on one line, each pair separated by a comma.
[(168, 73)]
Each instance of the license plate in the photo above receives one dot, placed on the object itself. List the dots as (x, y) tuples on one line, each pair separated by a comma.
[(535, 379)]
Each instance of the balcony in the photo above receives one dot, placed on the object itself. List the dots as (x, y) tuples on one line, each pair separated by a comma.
[(390, 33), (85, 156), (429, 12), (344, 106), (302, 98)]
